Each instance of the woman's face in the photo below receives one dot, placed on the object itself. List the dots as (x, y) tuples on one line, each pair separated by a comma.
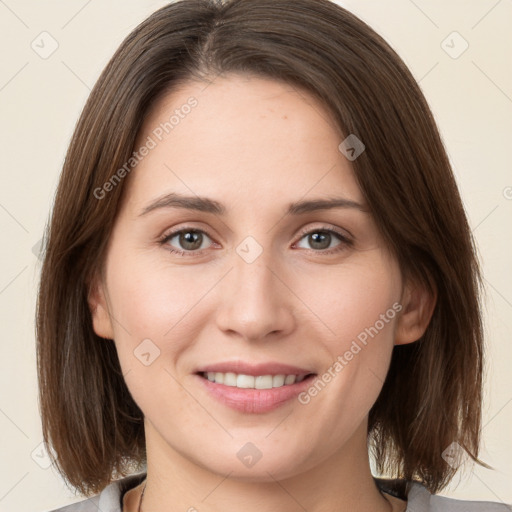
[(261, 283)]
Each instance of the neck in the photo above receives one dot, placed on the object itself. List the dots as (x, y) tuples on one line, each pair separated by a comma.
[(341, 482)]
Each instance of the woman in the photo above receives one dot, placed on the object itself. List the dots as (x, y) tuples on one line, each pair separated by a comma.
[(258, 269)]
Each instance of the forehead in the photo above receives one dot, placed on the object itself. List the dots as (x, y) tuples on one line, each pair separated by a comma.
[(238, 138)]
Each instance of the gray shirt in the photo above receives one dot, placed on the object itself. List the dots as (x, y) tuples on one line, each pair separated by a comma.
[(419, 499)]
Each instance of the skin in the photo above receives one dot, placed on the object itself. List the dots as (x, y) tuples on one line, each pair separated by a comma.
[(254, 145)]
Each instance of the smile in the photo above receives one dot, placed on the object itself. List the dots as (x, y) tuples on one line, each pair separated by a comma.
[(253, 389), (253, 381)]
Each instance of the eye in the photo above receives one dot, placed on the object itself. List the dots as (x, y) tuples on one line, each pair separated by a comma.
[(321, 240), (191, 241), (188, 240)]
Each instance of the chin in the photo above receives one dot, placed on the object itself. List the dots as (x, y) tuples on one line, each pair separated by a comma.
[(250, 464)]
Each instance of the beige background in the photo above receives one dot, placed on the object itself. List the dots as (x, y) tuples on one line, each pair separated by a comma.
[(40, 100)]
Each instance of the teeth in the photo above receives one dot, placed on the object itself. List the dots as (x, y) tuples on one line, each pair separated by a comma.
[(278, 381), (290, 379), (250, 382), (263, 382), (245, 381), (229, 379)]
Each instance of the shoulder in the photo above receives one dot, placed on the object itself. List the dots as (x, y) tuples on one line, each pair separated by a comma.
[(109, 500), (419, 499)]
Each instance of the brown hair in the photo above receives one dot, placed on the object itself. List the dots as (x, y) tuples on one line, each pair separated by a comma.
[(433, 392)]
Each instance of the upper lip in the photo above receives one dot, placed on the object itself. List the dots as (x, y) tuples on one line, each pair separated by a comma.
[(241, 367)]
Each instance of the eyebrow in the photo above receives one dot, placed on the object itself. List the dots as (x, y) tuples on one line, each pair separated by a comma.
[(205, 204)]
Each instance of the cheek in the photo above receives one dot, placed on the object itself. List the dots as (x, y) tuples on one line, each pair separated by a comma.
[(156, 322), (359, 304), (355, 302), (150, 301)]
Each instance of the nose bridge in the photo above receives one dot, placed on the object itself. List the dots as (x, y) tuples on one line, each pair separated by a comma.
[(255, 302), (254, 277)]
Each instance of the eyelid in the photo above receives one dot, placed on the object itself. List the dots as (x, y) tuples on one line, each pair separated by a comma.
[(172, 232), (345, 235), (345, 239)]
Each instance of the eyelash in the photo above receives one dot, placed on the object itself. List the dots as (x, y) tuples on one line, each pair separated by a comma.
[(345, 241)]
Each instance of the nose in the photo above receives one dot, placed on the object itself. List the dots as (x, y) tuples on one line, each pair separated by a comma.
[(255, 302)]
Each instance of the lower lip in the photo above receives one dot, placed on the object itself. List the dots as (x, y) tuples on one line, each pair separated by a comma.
[(255, 400)]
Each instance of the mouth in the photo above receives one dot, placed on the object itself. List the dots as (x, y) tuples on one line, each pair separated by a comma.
[(242, 381), (254, 388)]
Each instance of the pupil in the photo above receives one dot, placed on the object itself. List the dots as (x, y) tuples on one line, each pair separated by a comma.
[(190, 239), (320, 240)]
